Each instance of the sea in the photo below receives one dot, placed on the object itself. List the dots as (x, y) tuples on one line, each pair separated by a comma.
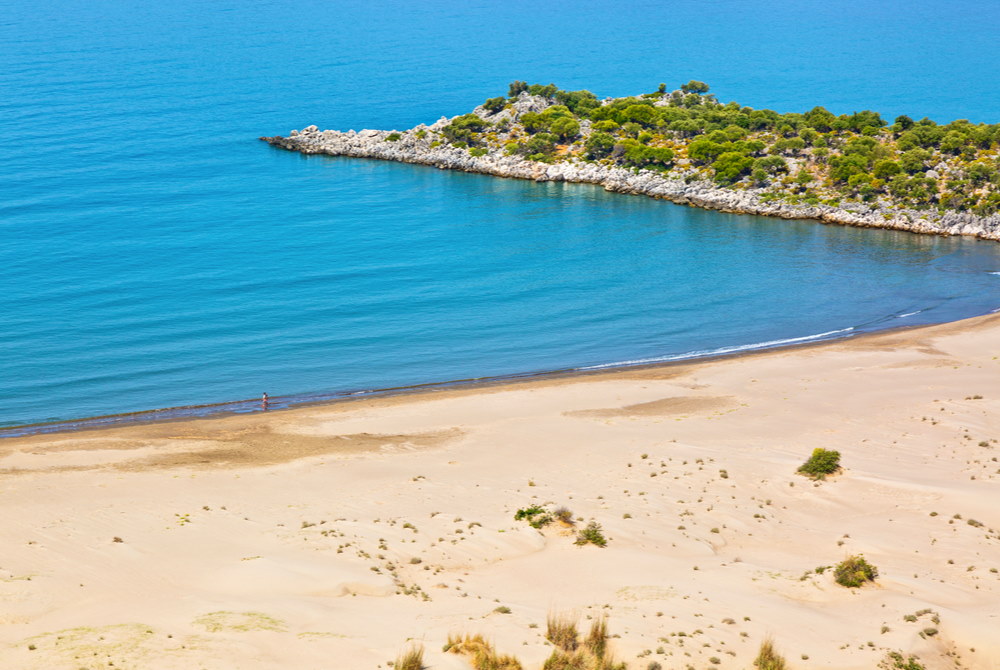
[(154, 254)]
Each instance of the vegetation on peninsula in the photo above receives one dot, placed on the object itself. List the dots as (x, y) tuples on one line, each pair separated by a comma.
[(801, 158)]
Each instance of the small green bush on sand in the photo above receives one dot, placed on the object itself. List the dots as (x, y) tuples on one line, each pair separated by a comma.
[(535, 515), (592, 534), (896, 661), (823, 462), (528, 512), (854, 571)]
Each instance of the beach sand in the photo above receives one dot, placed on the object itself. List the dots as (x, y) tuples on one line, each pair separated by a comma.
[(334, 536)]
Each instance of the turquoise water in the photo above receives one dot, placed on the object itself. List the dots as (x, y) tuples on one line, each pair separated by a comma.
[(153, 253)]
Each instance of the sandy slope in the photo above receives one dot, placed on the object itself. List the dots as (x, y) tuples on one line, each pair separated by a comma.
[(270, 541)]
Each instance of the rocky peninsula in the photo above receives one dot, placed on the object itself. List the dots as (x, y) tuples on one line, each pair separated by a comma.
[(686, 147)]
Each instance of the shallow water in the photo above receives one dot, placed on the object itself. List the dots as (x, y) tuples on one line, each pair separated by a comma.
[(153, 253)]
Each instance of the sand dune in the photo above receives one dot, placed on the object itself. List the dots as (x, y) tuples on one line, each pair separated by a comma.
[(332, 536)]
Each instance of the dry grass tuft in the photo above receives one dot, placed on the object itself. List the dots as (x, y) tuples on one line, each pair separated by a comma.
[(565, 660), (481, 653), (412, 659), (563, 514), (768, 658), (569, 653), (581, 659), (597, 640), (561, 631)]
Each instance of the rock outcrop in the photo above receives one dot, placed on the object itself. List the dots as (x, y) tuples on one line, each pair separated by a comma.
[(422, 146)]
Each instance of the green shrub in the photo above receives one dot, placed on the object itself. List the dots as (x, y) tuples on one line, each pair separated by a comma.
[(464, 129), (641, 156), (393, 137), (495, 104), (516, 88), (478, 151), (599, 145), (854, 571), (528, 512), (540, 521), (592, 534), (565, 128), (536, 516), (823, 462), (695, 87), (731, 166), (896, 661)]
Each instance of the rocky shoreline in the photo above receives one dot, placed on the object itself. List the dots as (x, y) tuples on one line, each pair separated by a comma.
[(419, 146)]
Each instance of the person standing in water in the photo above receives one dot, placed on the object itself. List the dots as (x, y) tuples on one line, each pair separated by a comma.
[(263, 401)]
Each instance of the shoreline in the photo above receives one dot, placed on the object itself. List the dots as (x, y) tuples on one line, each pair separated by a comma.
[(414, 146), (251, 406), (346, 530)]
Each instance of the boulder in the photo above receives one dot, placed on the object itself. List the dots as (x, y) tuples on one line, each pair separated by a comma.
[(530, 103), (440, 123)]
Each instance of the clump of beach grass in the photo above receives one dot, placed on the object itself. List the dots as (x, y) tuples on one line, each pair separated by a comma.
[(480, 653), (565, 660), (570, 654), (768, 658), (821, 463), (411, 659), (561, 631), (597, 640)]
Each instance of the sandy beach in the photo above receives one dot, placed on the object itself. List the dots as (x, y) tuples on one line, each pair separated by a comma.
[(336, 536)]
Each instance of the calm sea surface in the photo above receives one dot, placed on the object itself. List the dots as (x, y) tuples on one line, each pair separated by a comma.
[(153, 253)]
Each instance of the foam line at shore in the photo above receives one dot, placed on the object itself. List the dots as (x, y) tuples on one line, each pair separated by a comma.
[(288, 402), (169, 414), (722, 351)]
